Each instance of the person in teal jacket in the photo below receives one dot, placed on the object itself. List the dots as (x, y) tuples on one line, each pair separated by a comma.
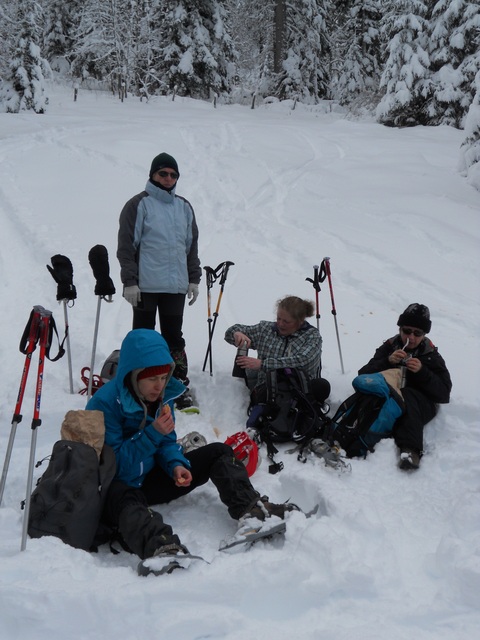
[(151, 466)]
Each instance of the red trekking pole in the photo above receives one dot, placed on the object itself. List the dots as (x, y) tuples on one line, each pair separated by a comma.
[(32, 332), (36, 421), (326, 265)]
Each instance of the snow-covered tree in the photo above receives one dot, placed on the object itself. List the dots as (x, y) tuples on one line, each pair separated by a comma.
[(23, 87), (61, 18), (305, 73), (406, 76), (470, 150), (197, 56), (360, 52), (454, 48)]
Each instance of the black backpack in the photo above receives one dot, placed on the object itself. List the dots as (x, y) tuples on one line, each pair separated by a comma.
[(284, 410), (69, 497), (365, 417)]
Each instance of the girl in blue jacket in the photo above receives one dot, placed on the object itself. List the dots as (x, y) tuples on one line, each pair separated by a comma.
[(151, 466)]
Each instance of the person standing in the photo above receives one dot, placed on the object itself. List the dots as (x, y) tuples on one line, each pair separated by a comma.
[(159, 264), (427, 381)]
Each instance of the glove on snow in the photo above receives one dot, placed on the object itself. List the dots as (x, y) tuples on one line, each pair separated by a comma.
[(62, 272), (98, 258)]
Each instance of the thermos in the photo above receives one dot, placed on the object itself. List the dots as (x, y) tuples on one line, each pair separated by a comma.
[(237, 371)]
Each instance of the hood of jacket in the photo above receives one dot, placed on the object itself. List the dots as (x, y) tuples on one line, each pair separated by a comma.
[(142, 348)]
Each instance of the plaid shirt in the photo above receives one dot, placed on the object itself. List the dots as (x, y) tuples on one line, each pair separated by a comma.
[(300, 350)]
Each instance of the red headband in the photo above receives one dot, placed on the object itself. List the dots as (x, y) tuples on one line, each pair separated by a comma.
[(150, 372)]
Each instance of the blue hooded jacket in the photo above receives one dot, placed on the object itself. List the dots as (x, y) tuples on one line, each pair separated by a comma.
[(129, 430)]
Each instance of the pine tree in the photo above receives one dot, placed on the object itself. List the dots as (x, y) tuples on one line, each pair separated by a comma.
[(197, 57), (61, 18), (360, 52), (24, 88), (305, 74), (470, 149), (454, 47), (406, 76)]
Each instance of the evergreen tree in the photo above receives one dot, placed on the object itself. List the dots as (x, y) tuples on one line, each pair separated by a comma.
[(406, 76), (24, 88), (254, 45), (305, 71), (197, 55), (361, 52), (61, 18), (470, 149), (454, 47)]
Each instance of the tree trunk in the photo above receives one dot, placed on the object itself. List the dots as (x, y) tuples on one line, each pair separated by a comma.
[(279, 35)]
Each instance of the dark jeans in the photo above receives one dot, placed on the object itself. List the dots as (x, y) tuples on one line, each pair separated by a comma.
[(143, 530), (170, 307), (408, 430)]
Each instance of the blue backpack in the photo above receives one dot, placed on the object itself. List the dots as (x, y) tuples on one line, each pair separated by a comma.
[(367, 416)]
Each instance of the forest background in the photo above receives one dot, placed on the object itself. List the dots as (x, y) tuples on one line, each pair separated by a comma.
[(410, 61)]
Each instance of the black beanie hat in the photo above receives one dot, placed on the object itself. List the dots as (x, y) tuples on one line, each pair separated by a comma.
[(161, 162), (416, 315)]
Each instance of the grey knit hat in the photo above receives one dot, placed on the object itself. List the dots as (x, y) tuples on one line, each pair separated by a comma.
[(416, 315)]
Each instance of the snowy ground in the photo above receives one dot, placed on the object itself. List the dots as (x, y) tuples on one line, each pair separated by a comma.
[(275, 190)]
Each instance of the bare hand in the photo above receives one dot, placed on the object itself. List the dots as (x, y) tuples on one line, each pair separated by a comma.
[(182, 477), (413, 364), (164, 423), (397, 356), (246, 362), (240, 339)]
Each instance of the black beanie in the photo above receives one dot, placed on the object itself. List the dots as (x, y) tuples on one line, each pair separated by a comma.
[(416, 315), (163, 161)]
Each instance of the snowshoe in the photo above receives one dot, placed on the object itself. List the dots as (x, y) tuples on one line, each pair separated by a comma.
[(251, 531), (165, 563)]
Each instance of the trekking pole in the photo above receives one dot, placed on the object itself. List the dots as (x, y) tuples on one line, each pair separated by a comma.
[(104, 289), (220, 272), (210, 273), (32, 331), (36, 421), (316, 285), (62, 272), (326, 265)]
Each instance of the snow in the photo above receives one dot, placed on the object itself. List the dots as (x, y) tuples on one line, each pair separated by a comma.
[(275, 190)]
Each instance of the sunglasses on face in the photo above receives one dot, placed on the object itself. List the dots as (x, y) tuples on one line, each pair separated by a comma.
[(168, 174), (416, 332)]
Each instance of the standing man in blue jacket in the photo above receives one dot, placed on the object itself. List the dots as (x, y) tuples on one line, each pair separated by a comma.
[(159, 265)]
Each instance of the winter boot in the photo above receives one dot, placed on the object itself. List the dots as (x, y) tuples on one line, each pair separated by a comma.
[(409, 460), (263, 508), (165, 559)]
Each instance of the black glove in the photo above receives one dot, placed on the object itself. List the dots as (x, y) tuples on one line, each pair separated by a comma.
[(62, 273), (98, 258)]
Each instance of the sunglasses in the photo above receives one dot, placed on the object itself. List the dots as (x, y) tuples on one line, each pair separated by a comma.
[(168, 174), (416, 332)]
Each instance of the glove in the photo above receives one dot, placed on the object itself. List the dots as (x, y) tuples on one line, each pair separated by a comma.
[(192, 292), (62, 273), (98, 258), (132, 294)]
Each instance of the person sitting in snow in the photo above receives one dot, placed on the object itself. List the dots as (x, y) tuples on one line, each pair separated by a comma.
[(427, 381), (290, 342), (151, 465)]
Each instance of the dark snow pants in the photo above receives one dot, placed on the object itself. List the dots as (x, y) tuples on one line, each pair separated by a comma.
[(143, 530), (170, 307), (408, 430)]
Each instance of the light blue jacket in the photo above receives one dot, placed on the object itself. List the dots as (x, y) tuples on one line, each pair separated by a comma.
[(129, 431), (158, 242)]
